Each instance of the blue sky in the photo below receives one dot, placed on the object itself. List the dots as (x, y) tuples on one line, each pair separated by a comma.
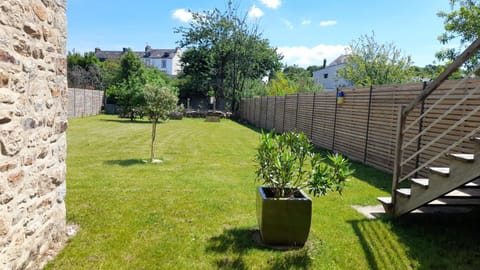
[(305, 32)]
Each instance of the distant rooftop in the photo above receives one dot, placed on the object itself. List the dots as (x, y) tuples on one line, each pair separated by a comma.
[(148, 53)]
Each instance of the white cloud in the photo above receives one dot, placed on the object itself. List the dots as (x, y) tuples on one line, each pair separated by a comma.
[(304, 56), (255, 12), (288, 24), (306, 22), (327, 23), (182, 15), (274, 4)]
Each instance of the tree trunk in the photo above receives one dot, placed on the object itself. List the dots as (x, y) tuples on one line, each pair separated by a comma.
[(154, 135)]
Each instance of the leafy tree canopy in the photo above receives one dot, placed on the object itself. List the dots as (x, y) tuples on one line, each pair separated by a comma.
[(223, 52), (461, 23), (372, 63)]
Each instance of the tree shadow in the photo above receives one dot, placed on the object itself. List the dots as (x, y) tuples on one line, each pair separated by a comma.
[(234, 244), (125, 162), (437, 240), (127, 121)]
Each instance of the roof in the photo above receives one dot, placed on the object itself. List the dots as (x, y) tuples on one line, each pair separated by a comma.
[(160, 53), (148, 53), (339, 61)]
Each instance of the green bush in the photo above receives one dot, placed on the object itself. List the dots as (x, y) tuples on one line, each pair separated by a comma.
[(287, 163)]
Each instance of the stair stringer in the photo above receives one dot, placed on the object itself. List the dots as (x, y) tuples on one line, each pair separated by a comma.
[(460, 173)]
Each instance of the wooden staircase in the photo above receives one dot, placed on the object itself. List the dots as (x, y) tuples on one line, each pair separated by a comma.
[(453, 118), (457, 185)]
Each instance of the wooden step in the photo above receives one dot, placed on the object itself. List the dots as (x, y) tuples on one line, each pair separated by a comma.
[(386, 203), (404, 192), (464, 193), (475, 139), (473, 184), (454, 202), (423, 182), (443, 171), (462, 157)]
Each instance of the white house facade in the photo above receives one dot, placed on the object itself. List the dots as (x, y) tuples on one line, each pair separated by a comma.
[(328, 76), (167, 60)]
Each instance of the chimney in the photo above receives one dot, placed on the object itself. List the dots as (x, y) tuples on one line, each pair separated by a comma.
[(324, 62), (125, 50), (97, 50)]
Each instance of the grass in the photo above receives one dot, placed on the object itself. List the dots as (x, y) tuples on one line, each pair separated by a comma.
[(196, 210)]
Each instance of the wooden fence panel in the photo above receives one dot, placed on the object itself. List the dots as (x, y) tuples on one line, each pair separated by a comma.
[(323, 120), (290, 113), (279, 114), (305, 113), (345, 129)]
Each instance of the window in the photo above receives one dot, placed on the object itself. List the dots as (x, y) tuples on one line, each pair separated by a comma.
[(164, 64), (325, 76)]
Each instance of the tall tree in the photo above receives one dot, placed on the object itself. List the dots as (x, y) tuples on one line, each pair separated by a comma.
[(372, 63), (223, 52), (128, 92), (461, 23)]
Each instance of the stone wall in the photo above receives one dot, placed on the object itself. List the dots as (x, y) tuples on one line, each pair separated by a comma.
[(33, 121)]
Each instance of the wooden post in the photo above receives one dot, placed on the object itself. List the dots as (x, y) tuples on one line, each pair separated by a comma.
[(368, 125), (397, 169), (275, 113), (335, 121), (296, 114), (313, 114)]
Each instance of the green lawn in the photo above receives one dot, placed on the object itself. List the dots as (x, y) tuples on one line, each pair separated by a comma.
[(197, 209)]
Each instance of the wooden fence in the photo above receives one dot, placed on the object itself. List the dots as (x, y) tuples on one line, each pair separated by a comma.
[(364, 126), (84, 102)]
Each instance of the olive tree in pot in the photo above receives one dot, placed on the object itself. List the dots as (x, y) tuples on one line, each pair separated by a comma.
[(287, 165)]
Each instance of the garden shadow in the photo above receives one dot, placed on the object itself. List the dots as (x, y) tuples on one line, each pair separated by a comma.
[(234, 244), (127, 121), (438, 240), (124, 162)]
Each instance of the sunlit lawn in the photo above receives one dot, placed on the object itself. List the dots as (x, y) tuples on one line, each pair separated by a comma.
[(197, 209)]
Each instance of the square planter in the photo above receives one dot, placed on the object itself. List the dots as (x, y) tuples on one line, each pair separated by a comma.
[(283, 221)]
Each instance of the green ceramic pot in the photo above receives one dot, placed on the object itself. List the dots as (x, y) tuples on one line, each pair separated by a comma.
[(283, 221)]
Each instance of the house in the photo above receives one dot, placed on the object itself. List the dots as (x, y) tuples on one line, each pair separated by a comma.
[(167, 60), (328, 76)]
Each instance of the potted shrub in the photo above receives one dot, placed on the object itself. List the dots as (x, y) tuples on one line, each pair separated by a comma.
[(287, 166)]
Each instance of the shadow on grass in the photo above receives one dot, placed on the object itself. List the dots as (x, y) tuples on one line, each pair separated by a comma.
[(422, 241), (365, 173), (124, 162), (234, 244), (127, 121)]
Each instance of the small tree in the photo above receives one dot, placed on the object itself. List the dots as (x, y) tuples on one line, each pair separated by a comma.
[(373, 63), (160, 101)]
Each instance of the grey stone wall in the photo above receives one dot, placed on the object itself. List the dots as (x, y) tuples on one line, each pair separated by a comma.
[(33, 121), (84, 102)]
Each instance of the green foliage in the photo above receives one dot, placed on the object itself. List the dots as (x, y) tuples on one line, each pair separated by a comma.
[(280, 86), (111, 72), (128, 95), (84, 71), (160, 101), (131, 80), (461, 23), (287, 162), (223, 53), (130, 66), (372, 63)]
